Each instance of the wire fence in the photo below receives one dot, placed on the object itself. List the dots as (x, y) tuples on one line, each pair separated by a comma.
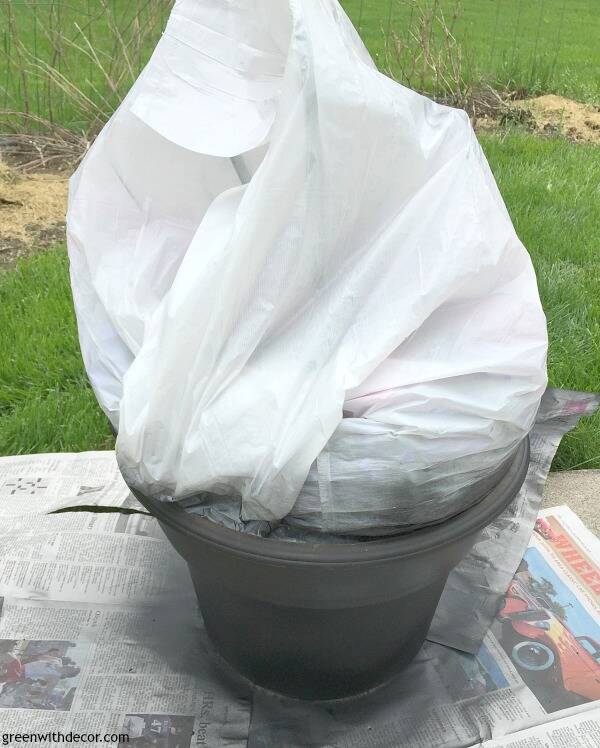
[(68, 63)]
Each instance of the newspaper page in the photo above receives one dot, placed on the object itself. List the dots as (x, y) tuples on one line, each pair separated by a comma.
[(34, 484), (139, 665), (474, 589), (100, 638), (576, 731), (535, 678), (83, 556), (560, 579), (549, 629)]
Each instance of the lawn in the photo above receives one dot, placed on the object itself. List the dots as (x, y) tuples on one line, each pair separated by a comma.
[(539, 46), (48, 68), (46, 404), (552, 188)]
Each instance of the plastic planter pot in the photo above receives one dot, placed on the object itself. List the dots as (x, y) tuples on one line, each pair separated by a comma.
[(325, 621)]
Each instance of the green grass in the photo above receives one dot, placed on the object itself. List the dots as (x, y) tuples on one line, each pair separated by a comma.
[(536, 45), (541, 46), (93, 49), (552, 189), (46, 404)]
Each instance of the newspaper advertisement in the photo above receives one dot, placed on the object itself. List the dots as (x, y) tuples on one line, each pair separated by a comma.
[(559, 582)]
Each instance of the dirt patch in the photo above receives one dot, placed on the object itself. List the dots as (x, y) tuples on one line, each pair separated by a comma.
[(32, 212), (555, 114)]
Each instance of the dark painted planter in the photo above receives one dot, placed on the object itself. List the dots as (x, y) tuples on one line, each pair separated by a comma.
[(324, 621)]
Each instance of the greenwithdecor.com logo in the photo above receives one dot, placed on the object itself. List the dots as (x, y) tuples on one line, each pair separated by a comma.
[(17, 738)]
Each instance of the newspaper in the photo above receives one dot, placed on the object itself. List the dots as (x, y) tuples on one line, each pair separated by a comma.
[(577, 731), (141, 664), (100, 631), (473, 590), (561, 570), (31, 484), (99, 634)]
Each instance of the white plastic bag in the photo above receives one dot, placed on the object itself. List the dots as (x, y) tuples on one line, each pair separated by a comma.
[(270, 232)]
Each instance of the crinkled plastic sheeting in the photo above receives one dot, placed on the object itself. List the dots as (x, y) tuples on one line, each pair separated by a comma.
[(296, 282)]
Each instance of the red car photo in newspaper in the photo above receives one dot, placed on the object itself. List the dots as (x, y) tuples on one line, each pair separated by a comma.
[(546, 628)]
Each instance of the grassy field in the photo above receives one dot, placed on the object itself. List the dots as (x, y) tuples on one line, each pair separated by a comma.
[(539, 46), (46, 404), (72, 62), (552, 188)]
